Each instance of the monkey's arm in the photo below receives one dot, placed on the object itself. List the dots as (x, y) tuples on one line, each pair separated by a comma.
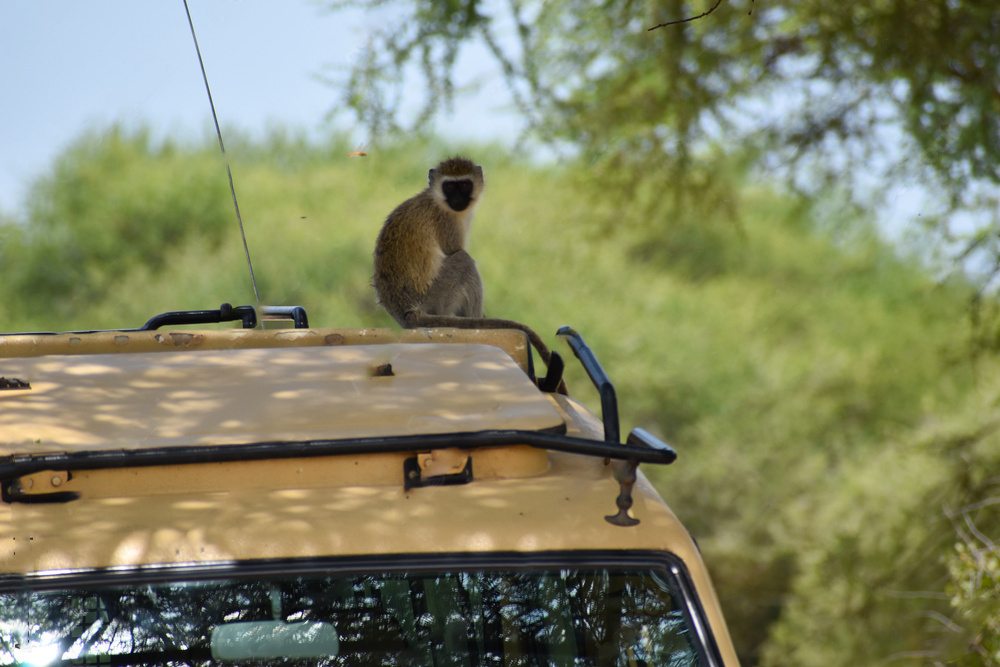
[(457, 290)]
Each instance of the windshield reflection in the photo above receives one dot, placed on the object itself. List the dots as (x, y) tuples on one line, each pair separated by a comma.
[(499, 617)]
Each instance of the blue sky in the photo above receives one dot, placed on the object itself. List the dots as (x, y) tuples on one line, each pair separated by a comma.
[(68, 66)]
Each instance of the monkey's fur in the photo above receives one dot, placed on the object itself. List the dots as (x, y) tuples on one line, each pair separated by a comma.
[(423, 275)]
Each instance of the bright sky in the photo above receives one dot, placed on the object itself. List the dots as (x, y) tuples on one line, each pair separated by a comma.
[(68, 66)]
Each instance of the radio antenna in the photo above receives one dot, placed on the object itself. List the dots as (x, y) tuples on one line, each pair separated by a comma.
[(222, 147)]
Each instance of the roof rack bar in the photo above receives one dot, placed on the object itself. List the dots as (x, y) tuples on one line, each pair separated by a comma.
[(609, 400), (225, 313), (296, 314), (12, 467)]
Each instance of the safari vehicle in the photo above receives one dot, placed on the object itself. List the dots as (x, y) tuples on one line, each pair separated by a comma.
[(315, 496)]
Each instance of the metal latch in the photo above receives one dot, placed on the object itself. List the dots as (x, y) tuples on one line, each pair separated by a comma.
[(437, 468), (47, 486)]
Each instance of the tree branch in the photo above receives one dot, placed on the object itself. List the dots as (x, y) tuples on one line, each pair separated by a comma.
[(692, 18)]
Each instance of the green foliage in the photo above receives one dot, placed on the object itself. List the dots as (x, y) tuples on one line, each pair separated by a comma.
[(111, 203), (879, 564), (973, 565), (433, 36), (975, 575), (831, 408), (815, 93)]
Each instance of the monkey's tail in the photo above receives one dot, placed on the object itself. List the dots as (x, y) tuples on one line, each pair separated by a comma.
[(415, 320)]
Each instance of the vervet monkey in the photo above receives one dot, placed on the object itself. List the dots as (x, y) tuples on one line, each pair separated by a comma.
[(423, 275)]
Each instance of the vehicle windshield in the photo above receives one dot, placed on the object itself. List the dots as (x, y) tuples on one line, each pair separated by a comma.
[(551, 616)]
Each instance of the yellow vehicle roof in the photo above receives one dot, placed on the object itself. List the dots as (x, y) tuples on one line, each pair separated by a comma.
[(117, 396), (148, 400)]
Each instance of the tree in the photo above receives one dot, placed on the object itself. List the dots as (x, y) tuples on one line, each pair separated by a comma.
[(865, 95)]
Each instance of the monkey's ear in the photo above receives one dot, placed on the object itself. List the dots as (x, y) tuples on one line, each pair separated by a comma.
[(430, 177)]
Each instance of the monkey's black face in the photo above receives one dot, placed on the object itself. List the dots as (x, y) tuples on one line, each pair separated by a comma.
[(458, 193)]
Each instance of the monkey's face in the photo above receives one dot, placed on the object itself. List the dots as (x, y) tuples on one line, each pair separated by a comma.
[(458, 193)]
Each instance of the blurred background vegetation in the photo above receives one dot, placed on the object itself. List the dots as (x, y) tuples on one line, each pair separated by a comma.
[(712, 226), (835, 416)]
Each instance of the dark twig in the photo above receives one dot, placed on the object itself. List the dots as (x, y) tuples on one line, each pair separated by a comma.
[(692, 18)]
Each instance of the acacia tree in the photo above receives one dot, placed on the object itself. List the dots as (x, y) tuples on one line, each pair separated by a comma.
[(865, 95)]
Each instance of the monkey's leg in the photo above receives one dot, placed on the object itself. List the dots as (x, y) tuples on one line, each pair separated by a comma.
[(457, 290)]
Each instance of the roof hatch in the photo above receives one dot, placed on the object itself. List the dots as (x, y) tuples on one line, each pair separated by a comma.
[(152, 400)]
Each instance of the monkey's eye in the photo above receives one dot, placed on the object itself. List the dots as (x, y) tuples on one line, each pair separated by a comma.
[(455, 187)]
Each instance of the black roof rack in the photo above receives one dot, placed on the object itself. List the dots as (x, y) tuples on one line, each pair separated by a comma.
[(225, 313), (640, 447), (609, 400), (19, 465)]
